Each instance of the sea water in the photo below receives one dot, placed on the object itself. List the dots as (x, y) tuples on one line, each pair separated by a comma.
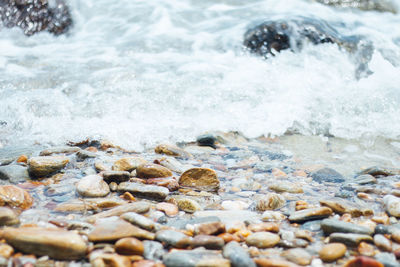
[(142, 72)]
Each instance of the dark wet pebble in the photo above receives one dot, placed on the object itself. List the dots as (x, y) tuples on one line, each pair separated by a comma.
[(116, 176), (208, 242), (327, 175), (206, 140), (237, 255), (335, 226), (84, 154), (350, 239)]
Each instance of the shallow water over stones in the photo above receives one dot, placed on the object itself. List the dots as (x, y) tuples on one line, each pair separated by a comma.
[(245, 215)]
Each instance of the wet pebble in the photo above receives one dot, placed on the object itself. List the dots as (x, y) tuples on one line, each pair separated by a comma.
[(237, 255), (208, 242), (116, 176), (327, 175), (195, 258), (144, 191), (382, 243), (173, 238), (342, 206), (188, 205), (15, 197), (365, 179), (335, 226), (268, 262), (200, 178), (310, 214), (262, 240), (8, 216), (128, 164), (209, 228), (362, 261), (332, 252), (169, 209), (350, 239), (139, 220), (270, 201), (297, 255), (272, 216), (392, 205), (44, 166), (6, 251), (129, 246), (153, 250), (14, 173), (171, 150), (150, 170), (92, 186), (289, 187)]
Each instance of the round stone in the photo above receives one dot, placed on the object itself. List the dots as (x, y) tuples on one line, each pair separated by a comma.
[(200, 178), (262, 240), (15, 197), (129, 246), (332, 252), (43, 166), (152, 171), (92, 186), (188, 205)]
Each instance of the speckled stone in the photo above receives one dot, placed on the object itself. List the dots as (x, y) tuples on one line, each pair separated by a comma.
[(188, 205), (150, 170), (44, 166), (200, 178)]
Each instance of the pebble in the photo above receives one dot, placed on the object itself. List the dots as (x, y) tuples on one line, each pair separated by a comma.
[(55, 243), (111, 259), (14, 173), (379, 171), (332, 252), (129, 246), (15, 197), (272, 216), (200, 179), (113, 228), (153, 250), (208, 242), (170, 182), (335, 226), (144, 191), (264, 227), (8, 216), (139, 220), (362, 261), (173, 238), (169, 209), (171, 150), (234, 205), (59, 150), (210, 228), (138, 207), (349, 239), (297, 255), (238, 256), (6, 251), (382, 243), (366, 249), (206, 140), (392, 205), (116, 176), (147, 263), (262, 240), (46, 165), (87, 204), (310, 214), (128, 164), (365, 179), (387, 259), (266, 262), (195, 258), (270, 201), (289, 187), (327, 175), (342, 206), (150, 170), (92, 186), (85, 154), (172, 164), (188, 205)]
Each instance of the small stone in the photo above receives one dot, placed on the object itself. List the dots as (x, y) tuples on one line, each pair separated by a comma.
[(80, 205), (188, 205), (172, 164), (144, 191), (335, 226), (128, 164), (8, 216), (379, 171), (55, 243), (332, 252), (343, 206), (92, 186), (15, 197), (85, 154), (237, 255), (392, 205), (200, 178), (265, 262), (206, 140), (208, 242), (129, 246), (350, 239), (22, 159), (171, 150), (116, 176), (59, 150), (113, 228), (147, 263), (362, 261), (14, 173), (173, 238), (153, 250), (47, 165), (169, 209), (6, 251), (271, 201), (382, 243), (210, 228), (150, 170), (365, 179), (139, 220), (108, 259), (195, 258), (297, 255), (138, 207), (387, 259), (327, 175), (262, 240), (170, 182), (310, 214), (272, 216), (366, 249), (264, 227), (289, 187), (234, 205)]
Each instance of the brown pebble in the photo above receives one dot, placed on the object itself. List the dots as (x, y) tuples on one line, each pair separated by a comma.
[(332, 252), (6, 250), (397, 253), (212, 228), (151, 170), (22, 159), (128, 196), (362, 261), (366, 249), (229, 237), (264, 227), (129, 246), (264, 262), (147, 263), (15, 197), (200, 178), (262, 240), (169, 209)]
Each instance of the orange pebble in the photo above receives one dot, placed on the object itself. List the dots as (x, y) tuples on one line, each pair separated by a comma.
[(22, 159)]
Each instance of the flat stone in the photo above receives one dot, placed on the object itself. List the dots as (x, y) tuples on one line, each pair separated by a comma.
[(92, 186), (14, 173), (310, 214), (169, 209), (8, 217), (380, 171), (144, 191), (332, 252), (289, 187), (111, 259), (44, 166), (392, 205), (327, 175), (85, 154), (188, 205), (264, 227), (169, 182), (265, 262), (59, 150), (270, 201), (77, 205), (262, 240), (387, 259), (208, 242), (229, 216), (335, 226), (139, 220), (116, 176), (365, 179), (209, 228), (200, 179), (15, 197), (341, 206), (237, 255), (128, 164), (349, 239), (191, 258), (382, 243), (297, 255), (272, 216), (150, 170), (129, 246), (171, 150), (113, 228), (173, 238), (55, 243), (153, 250), (172, 164), (138, 207)]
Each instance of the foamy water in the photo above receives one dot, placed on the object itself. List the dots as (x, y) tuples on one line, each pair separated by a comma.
[(142, 72)]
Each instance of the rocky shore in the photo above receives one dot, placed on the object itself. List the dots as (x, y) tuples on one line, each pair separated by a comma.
[(223, 200)]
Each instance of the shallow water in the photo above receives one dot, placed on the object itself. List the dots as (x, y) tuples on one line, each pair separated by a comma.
[(142, 72)]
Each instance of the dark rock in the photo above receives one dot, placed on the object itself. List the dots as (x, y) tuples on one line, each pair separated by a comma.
[(237, 255), (310, 214), (382, 229), (33, 16), (350, 239), (335, 226), (116, 176), (206, 140), (84, 154), (14, 173), (327, 175)]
